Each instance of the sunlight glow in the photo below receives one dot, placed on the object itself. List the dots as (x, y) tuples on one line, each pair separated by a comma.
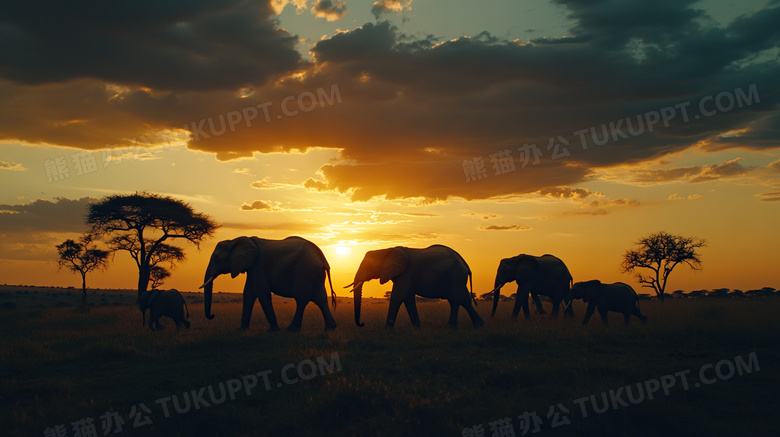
[(343, 251)]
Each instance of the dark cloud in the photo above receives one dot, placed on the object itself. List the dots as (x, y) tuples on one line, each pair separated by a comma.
[(168, 45), (331, 10), (410, 111), (60, 215)]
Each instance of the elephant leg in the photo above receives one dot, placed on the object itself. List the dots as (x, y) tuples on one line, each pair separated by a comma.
[(411, 308), (555, 303), (639, 315), (604, 315), (395, 305), (538, 303), (476, 320), (322, 303), (521, 302), (589, 313), (453, 322), (246, 311), (569, 311), (297, 321)]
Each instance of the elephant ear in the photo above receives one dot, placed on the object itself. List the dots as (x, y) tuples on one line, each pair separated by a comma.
[(526, 267), (394, 263), (148, 297), (243, 255)]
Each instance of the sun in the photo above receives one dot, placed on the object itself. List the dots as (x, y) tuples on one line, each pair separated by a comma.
[(343, 250)]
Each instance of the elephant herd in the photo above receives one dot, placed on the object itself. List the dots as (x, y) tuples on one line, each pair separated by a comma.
[(296, 268)]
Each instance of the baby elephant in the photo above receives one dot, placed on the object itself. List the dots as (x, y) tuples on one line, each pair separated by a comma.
[(618, 297), (163, 303)]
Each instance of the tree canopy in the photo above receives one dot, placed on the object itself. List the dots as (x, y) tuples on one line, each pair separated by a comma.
[(141, 223), (83, 257), (661, 252)]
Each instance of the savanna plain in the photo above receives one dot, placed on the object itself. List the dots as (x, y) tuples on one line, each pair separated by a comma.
[(63, 362)]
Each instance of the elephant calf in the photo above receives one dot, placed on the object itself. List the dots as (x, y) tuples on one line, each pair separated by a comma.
[(163, 303), (618, 297)]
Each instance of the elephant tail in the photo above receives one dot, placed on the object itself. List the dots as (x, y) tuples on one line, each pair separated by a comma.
[(332, 293)]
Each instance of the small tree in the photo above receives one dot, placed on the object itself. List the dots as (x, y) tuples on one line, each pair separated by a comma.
[(661, 253), (158, 275), (141, 223), (82, 257)]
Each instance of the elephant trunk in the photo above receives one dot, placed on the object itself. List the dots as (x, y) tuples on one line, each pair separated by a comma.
[(358, 302), (496, 293), (208, 287)]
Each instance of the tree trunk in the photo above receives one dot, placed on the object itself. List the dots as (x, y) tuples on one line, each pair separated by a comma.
[(143, 279), (84, 287)]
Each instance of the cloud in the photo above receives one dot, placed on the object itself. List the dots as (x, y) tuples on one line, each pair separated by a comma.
[(11, 166), (491, 216), (260, 205), (390, 7), (504, 228), (692, 174), (201, 45), (410, 109), (725, 170), (676, 196), (60, 215), (264, 184), (774, 165), (658, 176), (330, 10), (278, 5), (601, 207), (565, 193), (770, 197)]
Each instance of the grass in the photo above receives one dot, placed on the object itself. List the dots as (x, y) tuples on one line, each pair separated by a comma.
[(63, 364)]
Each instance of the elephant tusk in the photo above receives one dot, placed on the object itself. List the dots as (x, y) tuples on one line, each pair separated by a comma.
[(347, 286), (209, 281)]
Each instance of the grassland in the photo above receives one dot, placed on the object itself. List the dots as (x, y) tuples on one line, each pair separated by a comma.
[(63, 363)]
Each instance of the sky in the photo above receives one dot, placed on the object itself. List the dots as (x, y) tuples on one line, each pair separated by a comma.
[(569, 127)]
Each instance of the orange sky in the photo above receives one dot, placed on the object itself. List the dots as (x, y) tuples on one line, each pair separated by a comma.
[(574, 133)]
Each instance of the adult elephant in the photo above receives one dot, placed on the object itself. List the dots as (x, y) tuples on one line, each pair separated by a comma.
[(293, 267), (618, 297), (434, 272), (169, 303), (546, 275)]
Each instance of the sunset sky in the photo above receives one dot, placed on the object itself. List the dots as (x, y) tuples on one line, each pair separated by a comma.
[(570, 127)]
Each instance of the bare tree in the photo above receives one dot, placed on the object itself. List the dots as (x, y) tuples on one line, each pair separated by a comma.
[(141, 223), (83, 257), (661, 252)]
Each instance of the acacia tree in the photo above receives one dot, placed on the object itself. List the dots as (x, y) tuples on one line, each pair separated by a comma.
[(141, 223), (83, 257), (661, 252), (158, 275)]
